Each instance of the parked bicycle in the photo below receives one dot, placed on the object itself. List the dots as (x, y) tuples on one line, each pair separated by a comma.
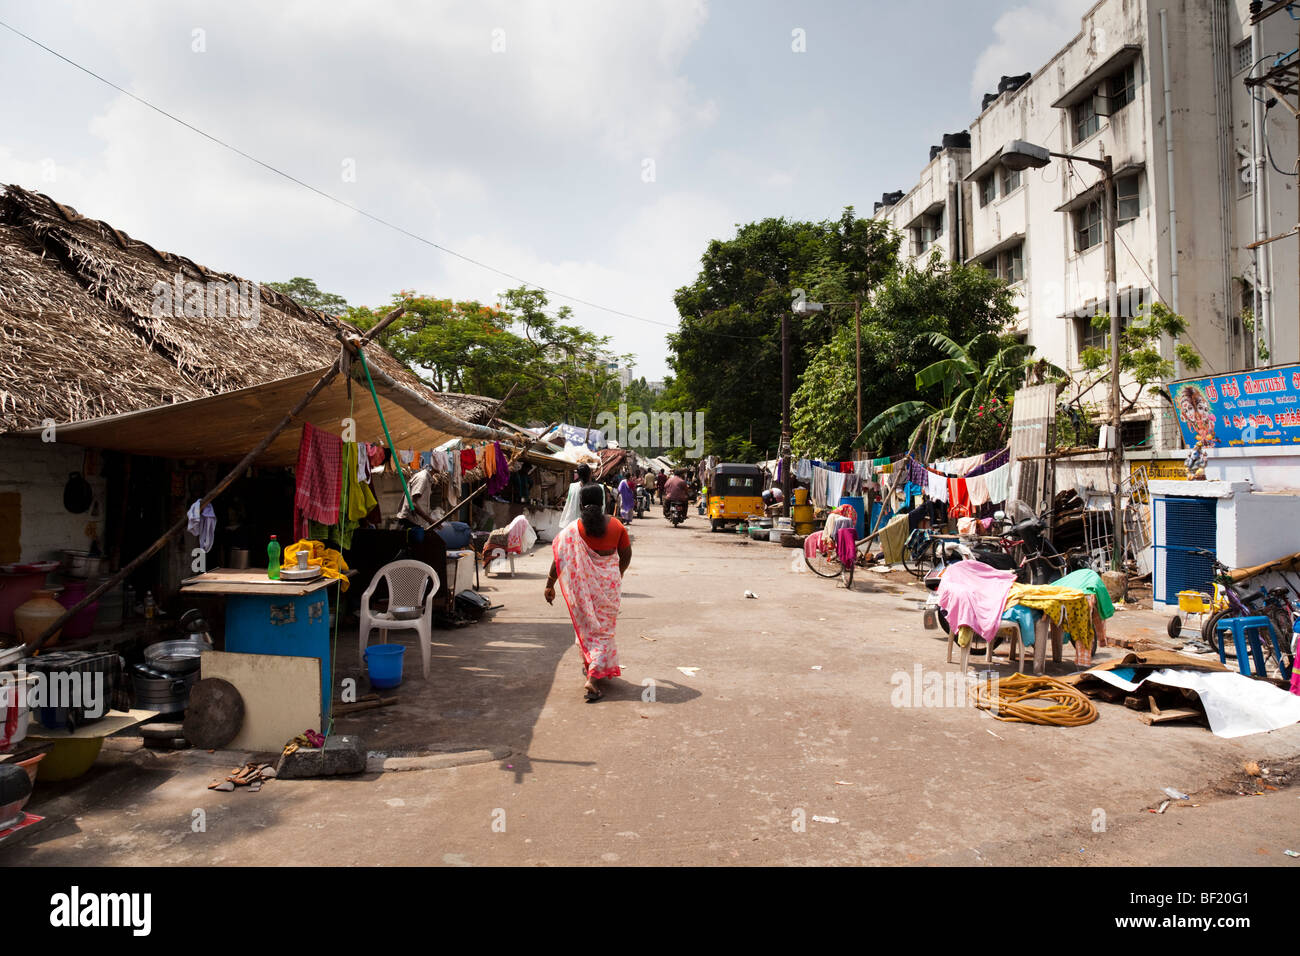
[(1273, 604)]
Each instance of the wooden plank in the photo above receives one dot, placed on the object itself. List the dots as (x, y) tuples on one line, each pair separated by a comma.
[(252, 581), (1164, 716), (281, 696), (110, 723)]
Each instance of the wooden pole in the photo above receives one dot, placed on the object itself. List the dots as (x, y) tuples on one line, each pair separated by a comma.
[(226, 482)]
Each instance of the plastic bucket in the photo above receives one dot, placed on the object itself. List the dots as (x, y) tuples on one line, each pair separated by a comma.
[(384, 664)]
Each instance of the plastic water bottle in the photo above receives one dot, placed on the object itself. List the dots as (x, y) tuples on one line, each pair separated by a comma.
[(273, 559)]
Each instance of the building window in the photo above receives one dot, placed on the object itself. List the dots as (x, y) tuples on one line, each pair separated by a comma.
[(1241, 59), (1091, 337), (1127, 199), (1086, 121), (1010, 180), (1087, 226), (927, 229), (1011, 263), (988, 189), (1135, 434), (1120, 89)]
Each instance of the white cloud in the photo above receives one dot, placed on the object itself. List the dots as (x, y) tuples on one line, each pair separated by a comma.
[(1027, 36)]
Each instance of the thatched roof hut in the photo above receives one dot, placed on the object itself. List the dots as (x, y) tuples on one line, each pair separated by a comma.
[(94, 323)]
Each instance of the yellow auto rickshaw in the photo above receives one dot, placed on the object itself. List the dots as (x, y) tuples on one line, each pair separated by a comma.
[(735, 493)]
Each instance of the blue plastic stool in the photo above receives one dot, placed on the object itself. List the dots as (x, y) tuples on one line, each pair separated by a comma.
[(1247, 629)]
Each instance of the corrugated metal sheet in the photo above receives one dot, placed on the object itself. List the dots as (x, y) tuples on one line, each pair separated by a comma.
[(1033, 420)]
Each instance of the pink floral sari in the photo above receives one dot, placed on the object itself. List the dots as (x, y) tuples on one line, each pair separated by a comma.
[(592, 589)]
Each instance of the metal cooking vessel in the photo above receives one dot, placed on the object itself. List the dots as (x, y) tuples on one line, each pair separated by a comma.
[(175, 657)]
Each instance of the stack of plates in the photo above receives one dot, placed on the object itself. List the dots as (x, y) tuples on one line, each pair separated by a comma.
[(300, 574)]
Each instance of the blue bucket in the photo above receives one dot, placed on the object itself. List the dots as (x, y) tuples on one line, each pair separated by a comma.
[(384, 663)]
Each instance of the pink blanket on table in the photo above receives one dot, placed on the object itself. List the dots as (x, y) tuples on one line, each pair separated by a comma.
[(972, 593)]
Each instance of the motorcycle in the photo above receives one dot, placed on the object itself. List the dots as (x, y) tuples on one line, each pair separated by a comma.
[(675, 511), (641, 501)]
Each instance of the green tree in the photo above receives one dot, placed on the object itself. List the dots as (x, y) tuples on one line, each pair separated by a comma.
[(971, 413), (1142, 363), (726, 353), (909, 306), (305, 293), (552, 370)]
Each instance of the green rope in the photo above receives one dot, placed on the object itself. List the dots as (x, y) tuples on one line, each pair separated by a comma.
[(396, 464)]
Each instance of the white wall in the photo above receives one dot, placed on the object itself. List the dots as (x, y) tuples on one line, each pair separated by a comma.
[(39, 471)]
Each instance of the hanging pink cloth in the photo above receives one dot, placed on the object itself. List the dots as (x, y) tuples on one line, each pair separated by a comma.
[(318, 479)]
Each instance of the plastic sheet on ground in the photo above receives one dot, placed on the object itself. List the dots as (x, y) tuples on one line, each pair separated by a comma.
[(1234, 704)]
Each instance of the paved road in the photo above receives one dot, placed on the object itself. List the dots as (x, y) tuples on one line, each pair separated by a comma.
[(775, 736)]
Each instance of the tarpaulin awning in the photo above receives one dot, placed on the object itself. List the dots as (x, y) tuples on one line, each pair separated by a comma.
[(226, 427)]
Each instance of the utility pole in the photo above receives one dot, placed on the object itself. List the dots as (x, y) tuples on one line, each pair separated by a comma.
[(1112, 295), (857, 333), (786, 433)]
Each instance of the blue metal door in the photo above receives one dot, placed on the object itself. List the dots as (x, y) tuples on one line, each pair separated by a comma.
[(1188, 523)]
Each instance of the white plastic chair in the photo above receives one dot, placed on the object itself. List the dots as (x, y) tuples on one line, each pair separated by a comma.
[(406, 588)]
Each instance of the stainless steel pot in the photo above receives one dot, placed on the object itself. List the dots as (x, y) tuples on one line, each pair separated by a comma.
[(239, 559), (165, 694), (175, 657)]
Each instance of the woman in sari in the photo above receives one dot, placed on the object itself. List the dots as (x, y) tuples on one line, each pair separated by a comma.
[(626, 499), (590, 558)]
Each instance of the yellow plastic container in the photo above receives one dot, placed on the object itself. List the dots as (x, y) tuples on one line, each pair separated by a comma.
[(802, 516), (800, 496)]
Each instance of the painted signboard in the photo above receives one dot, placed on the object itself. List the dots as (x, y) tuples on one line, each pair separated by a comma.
[(1245, 408)]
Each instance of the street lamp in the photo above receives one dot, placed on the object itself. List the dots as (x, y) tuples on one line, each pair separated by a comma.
[(1019, 155)]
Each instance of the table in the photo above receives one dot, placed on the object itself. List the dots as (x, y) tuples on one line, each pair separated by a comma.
[(281, 618)]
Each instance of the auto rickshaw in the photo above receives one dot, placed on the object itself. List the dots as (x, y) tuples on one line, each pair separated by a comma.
[(735, 493)]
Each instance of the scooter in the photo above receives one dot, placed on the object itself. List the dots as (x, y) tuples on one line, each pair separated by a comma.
[(641, 501)]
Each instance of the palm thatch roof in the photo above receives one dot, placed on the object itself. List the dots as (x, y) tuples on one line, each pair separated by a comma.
[(82, 337)]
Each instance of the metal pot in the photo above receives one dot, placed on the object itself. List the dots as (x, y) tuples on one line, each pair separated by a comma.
[(239, 559), (164, 693), (175, 657)]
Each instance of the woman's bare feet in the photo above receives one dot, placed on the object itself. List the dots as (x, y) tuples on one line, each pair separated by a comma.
[(593, 693)]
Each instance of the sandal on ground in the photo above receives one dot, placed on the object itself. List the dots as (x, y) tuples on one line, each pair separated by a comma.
[(593, 695)]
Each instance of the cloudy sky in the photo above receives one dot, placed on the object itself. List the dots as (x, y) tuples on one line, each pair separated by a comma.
[(593, 148)]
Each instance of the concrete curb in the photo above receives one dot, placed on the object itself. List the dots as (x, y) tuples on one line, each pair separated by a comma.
[(382, 763)]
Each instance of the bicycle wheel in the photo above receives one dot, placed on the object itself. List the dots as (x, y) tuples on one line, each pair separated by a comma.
[(824, 565), (1281, 619), (1207, 629), (923, 563)]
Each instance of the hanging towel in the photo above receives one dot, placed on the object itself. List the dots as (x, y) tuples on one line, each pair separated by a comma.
[(893, 537), (834, 487), (936, 486), (202, 526), (820, 477), (803, 470), (999, 483), (318, 479), (499, 468), (467, 460), (958, 499), (978, 490)]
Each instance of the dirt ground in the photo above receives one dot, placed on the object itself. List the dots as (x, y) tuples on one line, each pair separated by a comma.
[(743, 731)]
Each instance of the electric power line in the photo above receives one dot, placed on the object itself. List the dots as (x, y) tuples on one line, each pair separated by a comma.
[(347, 205)]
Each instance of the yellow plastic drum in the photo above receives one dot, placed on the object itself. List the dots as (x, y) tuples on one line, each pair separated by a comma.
[(800, 496), (802, 515)]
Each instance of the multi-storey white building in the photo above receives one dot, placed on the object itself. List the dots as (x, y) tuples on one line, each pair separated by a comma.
[(1157, 85)]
